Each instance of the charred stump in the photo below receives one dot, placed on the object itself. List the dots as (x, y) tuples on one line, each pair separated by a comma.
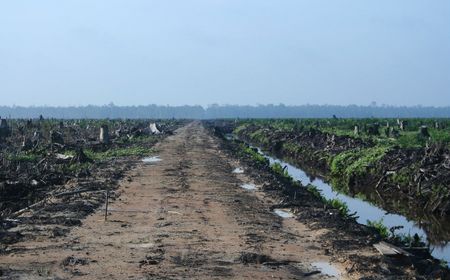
[(27, 144), (423, 131), (81, 157), (5, 131), (56, 137)]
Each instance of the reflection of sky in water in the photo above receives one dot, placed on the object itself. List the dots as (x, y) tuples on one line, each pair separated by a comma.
[(327, 269), (365, 210), (283, 213), (248, 187), (151, 159)]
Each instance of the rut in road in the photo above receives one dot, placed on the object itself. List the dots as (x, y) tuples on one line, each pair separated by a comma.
[(185, 216)]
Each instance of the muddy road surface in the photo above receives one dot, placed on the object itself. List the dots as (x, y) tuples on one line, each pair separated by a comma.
[(186, 216)]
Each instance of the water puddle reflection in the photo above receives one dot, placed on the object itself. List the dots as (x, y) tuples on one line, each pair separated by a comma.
[(283, 213), (238, 170), (151, 159), (327, 269)]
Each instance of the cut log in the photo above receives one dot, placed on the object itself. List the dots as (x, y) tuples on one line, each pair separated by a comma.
[(390, 250)]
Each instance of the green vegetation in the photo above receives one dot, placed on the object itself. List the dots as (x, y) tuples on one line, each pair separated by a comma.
[(292, 148), (240, 128), (23, 157), (357, 155), (278, 169), (315, 192), (382, 131), (77, 167), (339, 205), (409, 240), (379, 227), (253, 153), (355, 163), (402, 176), (118, 152)]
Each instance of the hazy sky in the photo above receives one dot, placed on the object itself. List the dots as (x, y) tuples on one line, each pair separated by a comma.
[(224, 51)]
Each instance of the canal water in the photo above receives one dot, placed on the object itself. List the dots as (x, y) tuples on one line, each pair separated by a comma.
[(365, 211)]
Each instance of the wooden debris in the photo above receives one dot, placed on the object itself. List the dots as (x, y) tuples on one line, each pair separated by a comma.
[(390, 250)]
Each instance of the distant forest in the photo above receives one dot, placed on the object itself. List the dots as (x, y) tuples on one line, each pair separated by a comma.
[(223, 111)]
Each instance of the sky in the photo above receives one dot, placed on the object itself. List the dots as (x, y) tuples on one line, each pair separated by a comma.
[(138, 52)]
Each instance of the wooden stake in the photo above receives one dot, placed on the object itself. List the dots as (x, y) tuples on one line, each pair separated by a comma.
[(106, 205)]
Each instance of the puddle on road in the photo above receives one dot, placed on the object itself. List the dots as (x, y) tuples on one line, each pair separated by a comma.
[(238, 170), (283, 213), (327, 269), (151, 159), (249, 187), (142, 245)]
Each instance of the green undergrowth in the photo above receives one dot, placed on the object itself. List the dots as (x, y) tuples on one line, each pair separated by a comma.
[(143, 139), (240, 128), (379, 227), (338, 204), (77, 167), (253, 153), (406, 240), (260, 137), (282, 172), (118, 152), (355, 163), (279, 170), (24, 157), (292, 148)]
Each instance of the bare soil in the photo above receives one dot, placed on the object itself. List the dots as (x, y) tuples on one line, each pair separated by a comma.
[(186, 217)]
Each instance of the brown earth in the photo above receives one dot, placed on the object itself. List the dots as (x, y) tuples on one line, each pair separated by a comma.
[(183, 217)]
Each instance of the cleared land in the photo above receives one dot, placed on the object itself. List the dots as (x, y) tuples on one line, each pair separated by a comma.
[(188, 217)]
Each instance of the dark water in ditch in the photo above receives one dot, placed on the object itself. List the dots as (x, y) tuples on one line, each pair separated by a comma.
[(367, 211)]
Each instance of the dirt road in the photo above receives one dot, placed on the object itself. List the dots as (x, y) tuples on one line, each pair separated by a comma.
[(183, 217)]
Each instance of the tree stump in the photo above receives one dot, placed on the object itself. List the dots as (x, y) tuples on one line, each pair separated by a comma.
[(104, 134), (437, 125), (4, 128), (403, 125), (27, 144), (423, 131), (394, 133), (56, 137)]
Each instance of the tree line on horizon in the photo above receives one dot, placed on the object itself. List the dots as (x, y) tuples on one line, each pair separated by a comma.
[(223, 111)]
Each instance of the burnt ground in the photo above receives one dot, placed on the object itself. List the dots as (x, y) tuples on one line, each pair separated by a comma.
[(187, 217)]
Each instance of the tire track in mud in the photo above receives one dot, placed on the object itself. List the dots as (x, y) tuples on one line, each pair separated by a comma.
[(183, 217)]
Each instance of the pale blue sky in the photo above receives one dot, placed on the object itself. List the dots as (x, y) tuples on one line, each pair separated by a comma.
[(224, 51)]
